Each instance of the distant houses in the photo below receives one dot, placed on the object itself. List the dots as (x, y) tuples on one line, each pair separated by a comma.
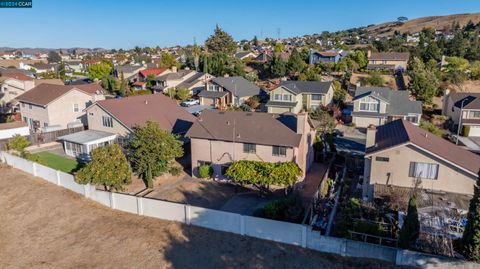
[(329, 56), (393, 61), (463, 108)]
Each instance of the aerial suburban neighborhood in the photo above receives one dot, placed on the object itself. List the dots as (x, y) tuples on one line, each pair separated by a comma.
[(230, 141)]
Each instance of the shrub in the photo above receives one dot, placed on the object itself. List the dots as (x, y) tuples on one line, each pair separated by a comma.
[(18, 143), (175, 170), (430, 127), (287, 209), (205, 171), (183, 94), (374, 79)]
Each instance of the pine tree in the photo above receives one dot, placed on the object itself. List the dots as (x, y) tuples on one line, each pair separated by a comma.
[(411, 225), (471, 235)]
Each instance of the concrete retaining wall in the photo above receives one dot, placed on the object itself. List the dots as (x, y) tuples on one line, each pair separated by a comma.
[(289, 233)]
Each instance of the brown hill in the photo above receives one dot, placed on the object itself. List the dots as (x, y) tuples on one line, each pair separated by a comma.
[(416, 25)]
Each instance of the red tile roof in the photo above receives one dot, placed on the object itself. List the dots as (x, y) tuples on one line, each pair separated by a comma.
[(18, 76), (152, 71)]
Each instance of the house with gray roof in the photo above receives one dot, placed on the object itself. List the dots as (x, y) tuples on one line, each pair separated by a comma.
[(379, 105), (463, 108), (228, 91), (219, 138), (295, 96), (242, 55)]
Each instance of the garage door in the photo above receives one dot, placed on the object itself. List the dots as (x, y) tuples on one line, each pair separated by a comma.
[(474, 131)]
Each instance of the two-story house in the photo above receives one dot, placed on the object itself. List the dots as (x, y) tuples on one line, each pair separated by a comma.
[(115, 119), (128, 72), (195, 83), (220, 138), (227, 91), (172, 79), (394, 61), (295, 96), (379, 105), (463, 108), (329, 56), (11, 86), (61, 106), (403, 155)]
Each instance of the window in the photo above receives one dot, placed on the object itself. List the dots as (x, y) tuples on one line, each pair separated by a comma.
[(369, 104), (23, 104), (382, 159), (282, 97), (475, 114), (249, 148), (423, 170), (90, 113), (107, 121), (29, 106), (287, 97), (75, 108), (200, 163), (279, 151), (277, 97), (45, 124), (412, 119), (317, 97)]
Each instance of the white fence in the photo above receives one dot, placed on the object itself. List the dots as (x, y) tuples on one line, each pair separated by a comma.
[(284, 232)]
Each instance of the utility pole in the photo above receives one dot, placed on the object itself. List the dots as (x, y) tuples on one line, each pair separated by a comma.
[(460, 121)]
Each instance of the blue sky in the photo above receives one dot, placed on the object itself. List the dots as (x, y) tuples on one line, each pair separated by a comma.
[(129, 23)]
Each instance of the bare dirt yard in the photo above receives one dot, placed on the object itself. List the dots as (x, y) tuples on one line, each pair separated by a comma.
[(45, 226)]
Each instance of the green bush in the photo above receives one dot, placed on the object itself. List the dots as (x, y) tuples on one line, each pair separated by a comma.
[(287, 209), (18, 143), (175, 170), (205, 171), (182, 94), (430, 127)]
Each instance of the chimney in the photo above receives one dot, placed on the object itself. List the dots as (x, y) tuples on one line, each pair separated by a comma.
[(369, 53), (302, 122), (174, 69), (371, 133)]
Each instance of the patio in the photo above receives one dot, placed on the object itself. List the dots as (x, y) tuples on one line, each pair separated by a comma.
[(85, 141)]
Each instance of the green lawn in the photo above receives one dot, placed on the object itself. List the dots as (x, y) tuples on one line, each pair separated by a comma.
[(58, 162)]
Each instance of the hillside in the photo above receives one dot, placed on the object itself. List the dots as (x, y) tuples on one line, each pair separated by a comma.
[(416, 25)]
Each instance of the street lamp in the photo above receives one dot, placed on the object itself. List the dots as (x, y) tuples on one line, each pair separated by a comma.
[(460, 121)]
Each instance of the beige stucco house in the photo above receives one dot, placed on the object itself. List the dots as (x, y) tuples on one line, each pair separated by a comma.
[(467, 105), (220, 138), (394, 61), (401, 154), (380, 105), (295, 96), (11, 86), (59, 106)]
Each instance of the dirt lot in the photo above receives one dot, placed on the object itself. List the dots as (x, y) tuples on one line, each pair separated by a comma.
[(45, 226)]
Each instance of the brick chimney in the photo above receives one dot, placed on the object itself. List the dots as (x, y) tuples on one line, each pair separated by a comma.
[(371, 133), (302, 122)]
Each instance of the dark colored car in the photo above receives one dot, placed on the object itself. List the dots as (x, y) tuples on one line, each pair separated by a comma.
[(84, 158)]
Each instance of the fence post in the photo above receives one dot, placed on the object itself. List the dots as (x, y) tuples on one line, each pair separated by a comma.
[(140, 206), (86, 189), (58, 178), (34, 169), (242, 225), (344, 248), (188, 215), (304, 236), (112, 200)]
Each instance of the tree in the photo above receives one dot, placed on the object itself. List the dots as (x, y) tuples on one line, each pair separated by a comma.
[(53, 57), (168, 60), (150, 81), (411, 225), (18, 143), (277, 67), (99, 70), (424, 81), (278, 47), (471, 235), (339, 94), (221, 41), (326, 121), (152, 151), (263, 174), (109, 167), (375, 80), (475, 70), (309, 74), (183, 94), (255, 41), (402, 19), (456, 69), (295, 63), (61, 71)]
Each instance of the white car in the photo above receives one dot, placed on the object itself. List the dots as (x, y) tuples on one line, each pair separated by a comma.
[(190, 102)]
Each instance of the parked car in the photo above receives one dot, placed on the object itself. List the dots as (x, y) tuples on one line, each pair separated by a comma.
[(84, 158), (190, 102)]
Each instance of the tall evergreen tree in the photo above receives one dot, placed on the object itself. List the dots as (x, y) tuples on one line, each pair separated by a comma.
[(221, 41), (471, 235), (411, 225)]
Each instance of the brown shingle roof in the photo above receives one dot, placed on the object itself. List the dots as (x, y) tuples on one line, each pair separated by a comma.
[(402, 132), (137, 110), (250, 127), (12, 125), (389, 56), (45, 93)]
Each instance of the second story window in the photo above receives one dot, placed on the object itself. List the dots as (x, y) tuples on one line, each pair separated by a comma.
[(107, 121), (249, 148), (279, 151), (75, 108), (317, 97), (475, 114), (369, 104)]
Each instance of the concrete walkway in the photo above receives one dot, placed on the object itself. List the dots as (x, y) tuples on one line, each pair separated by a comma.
[(472, 146)]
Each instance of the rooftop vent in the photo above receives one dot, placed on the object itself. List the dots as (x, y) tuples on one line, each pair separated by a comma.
[(221, 112), (249, 114), (146, 102)]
